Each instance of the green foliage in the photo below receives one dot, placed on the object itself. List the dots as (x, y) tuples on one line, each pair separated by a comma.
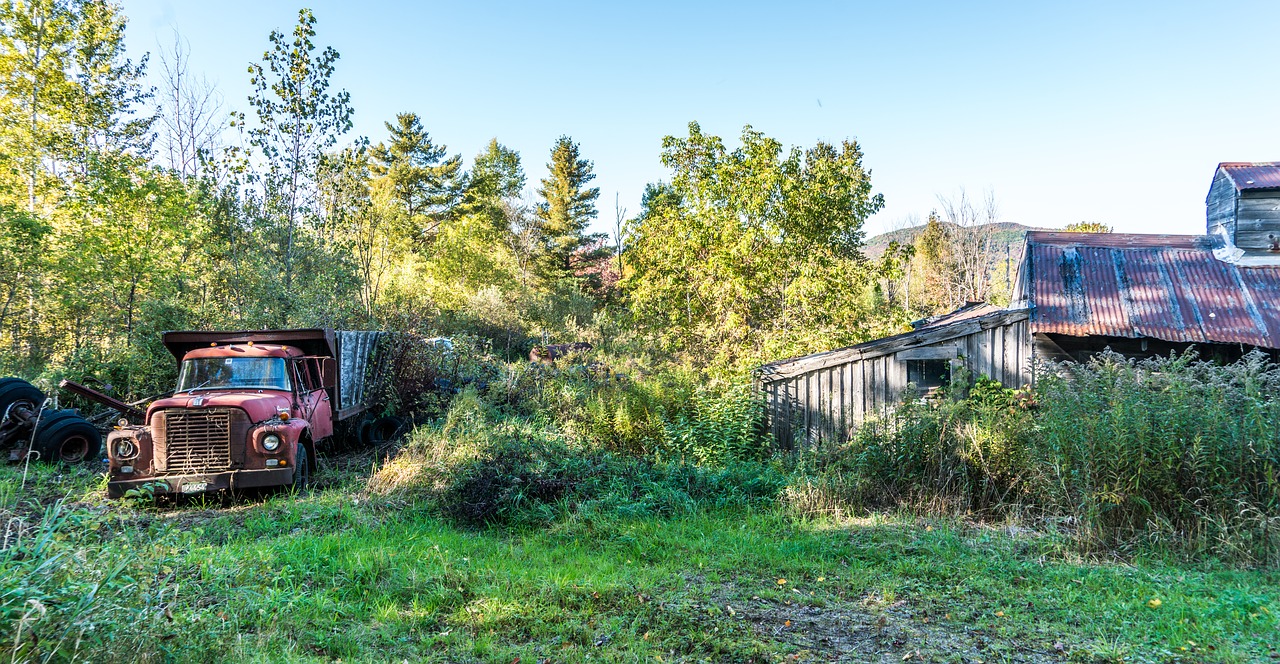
[(422, 179), (1172, 452), (1088, 227), (752, 252), (1166, 449), (568, 206), (57, 604), (496, 179), (297, 120), (483, 467)]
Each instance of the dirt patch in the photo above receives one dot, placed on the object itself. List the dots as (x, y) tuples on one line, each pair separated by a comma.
[(866, 630)]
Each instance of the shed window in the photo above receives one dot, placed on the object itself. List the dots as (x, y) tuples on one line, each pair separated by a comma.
[(929, 375)]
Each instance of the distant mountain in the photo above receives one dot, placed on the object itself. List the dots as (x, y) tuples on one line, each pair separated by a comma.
[(1006, 232)]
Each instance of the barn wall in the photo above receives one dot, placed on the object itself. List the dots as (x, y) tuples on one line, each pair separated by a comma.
[(828, 403), (1257, 220), (1220, 205)]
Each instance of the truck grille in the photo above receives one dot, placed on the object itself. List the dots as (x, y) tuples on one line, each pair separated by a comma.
[(192, 441)]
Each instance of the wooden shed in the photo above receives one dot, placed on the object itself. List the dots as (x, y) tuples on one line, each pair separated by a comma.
[(1077, 294), (1243, 209), (826, 395)]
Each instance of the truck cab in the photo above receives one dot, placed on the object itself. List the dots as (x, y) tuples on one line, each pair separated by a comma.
[(248, 411)]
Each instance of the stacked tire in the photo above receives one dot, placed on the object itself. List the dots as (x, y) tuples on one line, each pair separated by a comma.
[(61, 436)]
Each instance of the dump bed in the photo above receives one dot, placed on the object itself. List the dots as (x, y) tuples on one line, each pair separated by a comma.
[(361, 368), (358, 364)]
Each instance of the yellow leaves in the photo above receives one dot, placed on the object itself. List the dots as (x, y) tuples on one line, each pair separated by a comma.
[(821, 579), (1154, 603), (999, 614)]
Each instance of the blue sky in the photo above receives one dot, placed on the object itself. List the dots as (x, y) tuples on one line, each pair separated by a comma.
[(1111, 112)]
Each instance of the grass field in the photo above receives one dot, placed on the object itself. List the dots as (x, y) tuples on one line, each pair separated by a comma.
[(339, 575)]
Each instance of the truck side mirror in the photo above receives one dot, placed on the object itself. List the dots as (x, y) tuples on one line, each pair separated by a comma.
[(328, 373)]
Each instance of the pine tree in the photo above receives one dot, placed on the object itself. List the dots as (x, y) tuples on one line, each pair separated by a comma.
[(426, 182), (567, 209), (495, 181)]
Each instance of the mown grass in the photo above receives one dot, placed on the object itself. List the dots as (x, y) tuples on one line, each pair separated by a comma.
[(344, 574)]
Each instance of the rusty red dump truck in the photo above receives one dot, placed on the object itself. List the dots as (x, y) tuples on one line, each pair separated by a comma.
[(249, 411)]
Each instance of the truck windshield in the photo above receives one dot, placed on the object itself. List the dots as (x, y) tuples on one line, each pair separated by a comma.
[(220, 373)]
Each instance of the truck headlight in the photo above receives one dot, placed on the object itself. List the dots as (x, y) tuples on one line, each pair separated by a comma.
[(270, 442), (125, 449)]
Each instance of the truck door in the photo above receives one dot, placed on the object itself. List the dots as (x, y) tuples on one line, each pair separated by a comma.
[(316, 407)]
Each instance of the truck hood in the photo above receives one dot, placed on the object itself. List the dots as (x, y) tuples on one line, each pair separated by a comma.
[(259, 405)]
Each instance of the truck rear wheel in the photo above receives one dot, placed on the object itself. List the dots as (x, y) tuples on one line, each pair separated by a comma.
[(65, 437), (384, 429)]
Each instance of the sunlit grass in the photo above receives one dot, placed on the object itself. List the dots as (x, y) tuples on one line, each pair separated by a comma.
[(338, 574)]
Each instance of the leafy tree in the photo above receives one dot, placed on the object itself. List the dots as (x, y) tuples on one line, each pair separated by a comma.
[(109, 94), (1088, 227), (68, 91), (567, 208), (36, 45), (422, 178), (297, 120), (754, 251), (497, 173)]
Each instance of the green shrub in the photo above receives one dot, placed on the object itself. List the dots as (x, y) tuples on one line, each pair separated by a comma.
[(1176, 449), (482, 466), (1175, 452)]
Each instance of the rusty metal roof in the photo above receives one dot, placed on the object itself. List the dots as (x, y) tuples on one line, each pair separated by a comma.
[(1252, 175), (1166, 287)]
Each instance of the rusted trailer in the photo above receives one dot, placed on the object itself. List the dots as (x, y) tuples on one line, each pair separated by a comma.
[(33, 427), (249, 410)]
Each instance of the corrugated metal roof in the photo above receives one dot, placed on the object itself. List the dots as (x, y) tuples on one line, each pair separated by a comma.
[(1166, 287), (1252, 175), (989, 317), (968, 311)]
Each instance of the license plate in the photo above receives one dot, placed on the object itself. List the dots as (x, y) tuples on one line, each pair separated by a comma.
[(194, 487)]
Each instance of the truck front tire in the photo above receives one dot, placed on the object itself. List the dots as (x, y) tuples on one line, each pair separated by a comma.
[(301, 469)]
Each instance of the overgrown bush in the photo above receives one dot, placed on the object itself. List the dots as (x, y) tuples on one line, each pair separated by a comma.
[(1170, 451), (673, 414), (965, 450), (481, 466), (1171, 448)]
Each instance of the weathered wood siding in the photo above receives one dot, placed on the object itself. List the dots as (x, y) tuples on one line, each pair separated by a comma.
[(1251, 217), (829, 402), (1257, 220), (1220, 205)]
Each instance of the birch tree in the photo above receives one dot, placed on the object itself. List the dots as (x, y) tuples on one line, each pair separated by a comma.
[(298, 119)]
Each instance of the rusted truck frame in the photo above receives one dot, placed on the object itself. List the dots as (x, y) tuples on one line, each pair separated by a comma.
[(250, 410), (32, 427)]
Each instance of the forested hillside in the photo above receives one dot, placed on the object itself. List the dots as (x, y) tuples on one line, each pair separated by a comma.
[(131, 209), (618, 502)]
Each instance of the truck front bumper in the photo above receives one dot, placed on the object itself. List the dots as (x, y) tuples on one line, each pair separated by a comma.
[(203, 482)]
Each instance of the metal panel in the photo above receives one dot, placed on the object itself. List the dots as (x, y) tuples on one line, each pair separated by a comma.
[(1252, 175), (357, 367), (199, 440), (1134, 287)]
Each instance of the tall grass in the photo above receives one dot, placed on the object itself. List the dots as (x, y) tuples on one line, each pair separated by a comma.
[(1174, 452), (67, 594), (1172, 448)]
